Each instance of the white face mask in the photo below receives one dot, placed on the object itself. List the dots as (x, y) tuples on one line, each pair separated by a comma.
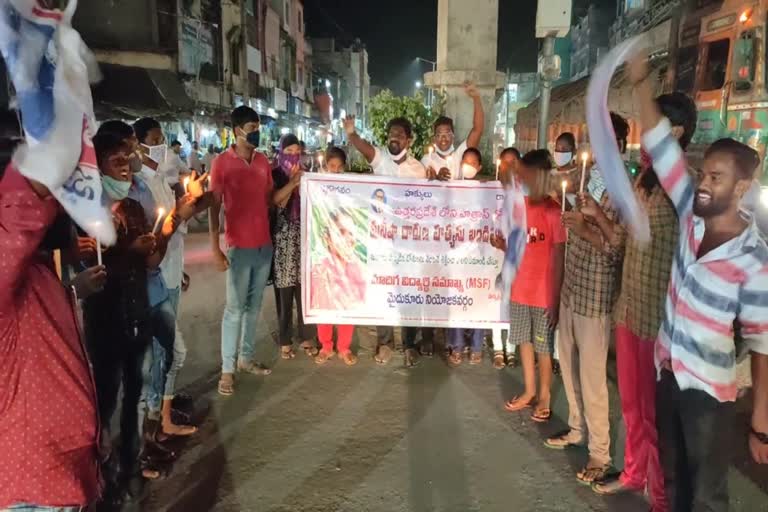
[(399, 156), (448, 152), (468, 172), (562, 159), (157, 153)]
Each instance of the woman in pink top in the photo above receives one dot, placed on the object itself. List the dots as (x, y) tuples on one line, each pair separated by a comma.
[(337, 279)]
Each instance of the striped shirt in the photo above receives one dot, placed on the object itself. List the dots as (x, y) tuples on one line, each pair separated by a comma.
[(712, 297)]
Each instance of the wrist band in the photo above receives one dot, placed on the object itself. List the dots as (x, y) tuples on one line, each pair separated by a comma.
[(763, 438)]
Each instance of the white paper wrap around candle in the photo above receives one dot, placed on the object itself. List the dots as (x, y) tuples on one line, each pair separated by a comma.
[(603, 140)]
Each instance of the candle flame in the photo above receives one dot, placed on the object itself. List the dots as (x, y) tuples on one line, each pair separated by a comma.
[(160, 212), (584, 156), (564, 184)]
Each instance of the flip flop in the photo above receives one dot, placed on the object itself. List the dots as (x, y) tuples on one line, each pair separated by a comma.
[(517, 405), (542, 415), (383, 355)]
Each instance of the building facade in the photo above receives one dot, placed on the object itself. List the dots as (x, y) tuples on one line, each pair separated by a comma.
[(589, 40)]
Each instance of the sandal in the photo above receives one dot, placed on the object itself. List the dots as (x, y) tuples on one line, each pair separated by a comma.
[(324, 356), (590, 475), (612, 484), (227, 385), (517, 404), (383, 355), (476, 358), (151, 470), (253, 368), (287, 352), (512, 360), (498, 360), (561, 441), (411, 358), (427, 350), (309, 348), (456, 358), (541, 415), (349, 358)]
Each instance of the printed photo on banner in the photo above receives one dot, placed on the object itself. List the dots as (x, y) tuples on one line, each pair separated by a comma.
[(339, 257), (387, 251)]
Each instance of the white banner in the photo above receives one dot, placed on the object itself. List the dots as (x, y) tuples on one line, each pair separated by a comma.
[(386, 251)]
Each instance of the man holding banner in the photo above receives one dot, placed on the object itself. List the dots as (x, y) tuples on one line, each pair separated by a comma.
[(393, 160)]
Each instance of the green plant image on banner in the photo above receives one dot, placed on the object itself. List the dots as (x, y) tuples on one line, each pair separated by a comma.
[(339, 229)]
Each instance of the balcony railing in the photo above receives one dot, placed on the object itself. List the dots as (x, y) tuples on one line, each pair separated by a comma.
[(631, 25)]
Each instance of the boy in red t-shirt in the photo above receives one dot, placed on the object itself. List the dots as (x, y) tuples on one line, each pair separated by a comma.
[(535, 299)]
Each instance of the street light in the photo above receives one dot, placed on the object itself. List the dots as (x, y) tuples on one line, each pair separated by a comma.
[(430, 95), (418, 84)]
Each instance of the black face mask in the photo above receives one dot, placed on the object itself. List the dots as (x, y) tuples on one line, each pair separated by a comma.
[(253, 138)]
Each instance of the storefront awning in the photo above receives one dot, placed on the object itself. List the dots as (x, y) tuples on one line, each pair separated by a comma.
[(137, 92)]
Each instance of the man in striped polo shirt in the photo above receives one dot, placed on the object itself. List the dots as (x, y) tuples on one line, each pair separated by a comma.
[(718, 294)]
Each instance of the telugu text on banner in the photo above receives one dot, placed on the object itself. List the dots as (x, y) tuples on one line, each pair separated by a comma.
[(385, 251)]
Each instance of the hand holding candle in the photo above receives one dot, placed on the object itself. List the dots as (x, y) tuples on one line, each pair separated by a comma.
[(584, 158), (160, 216)]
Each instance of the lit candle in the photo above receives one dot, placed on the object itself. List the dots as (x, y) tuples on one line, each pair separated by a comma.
[(498, 164), (186, 185), (564, 185), (431, 150), (320, 161), (98, 250), (160, 213), (584, 158)]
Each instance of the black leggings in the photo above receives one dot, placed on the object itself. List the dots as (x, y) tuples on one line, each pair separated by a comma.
[(285, 299)]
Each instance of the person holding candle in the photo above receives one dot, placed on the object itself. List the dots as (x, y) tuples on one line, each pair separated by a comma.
[(445, 160), (336, 160), (286, 240), (241, 180), (588, 295), (535, 294), (168, 347), (639, 311), (117, 320)]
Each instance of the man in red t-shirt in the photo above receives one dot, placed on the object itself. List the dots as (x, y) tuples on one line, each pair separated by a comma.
[(535, 299), (241, 179)]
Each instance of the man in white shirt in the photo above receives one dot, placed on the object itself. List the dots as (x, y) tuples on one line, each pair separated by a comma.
[(194, 158), (443, 161), (174, 169), (393, 160)]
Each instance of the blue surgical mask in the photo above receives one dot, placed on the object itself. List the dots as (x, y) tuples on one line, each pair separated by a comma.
[(117, 190)]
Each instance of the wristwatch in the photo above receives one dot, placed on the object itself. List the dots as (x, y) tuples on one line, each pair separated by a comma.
[(763, 438)]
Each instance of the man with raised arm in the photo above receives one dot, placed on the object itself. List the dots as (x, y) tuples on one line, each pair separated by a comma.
[(716, 310)]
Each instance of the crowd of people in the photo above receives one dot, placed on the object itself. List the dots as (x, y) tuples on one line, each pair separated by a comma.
[(682, 309)]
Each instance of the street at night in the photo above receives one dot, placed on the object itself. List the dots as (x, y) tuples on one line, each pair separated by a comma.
[(367, 438)]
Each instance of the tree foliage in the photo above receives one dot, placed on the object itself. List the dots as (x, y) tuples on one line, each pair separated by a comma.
[(386, 106)]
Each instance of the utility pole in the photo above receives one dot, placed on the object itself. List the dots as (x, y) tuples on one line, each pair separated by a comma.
[(244, 74), (547, 71)]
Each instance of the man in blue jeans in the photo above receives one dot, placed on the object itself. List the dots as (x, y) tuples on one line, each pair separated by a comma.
[(241, 179)]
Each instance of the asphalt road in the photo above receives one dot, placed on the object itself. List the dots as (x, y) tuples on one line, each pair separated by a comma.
[(370, 438)]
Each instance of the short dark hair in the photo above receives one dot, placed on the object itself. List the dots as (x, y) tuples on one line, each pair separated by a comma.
[(143, 126), (289, 139), (745, 158), (680, 109), (403, 123), (335, 152), (106, 143), (539, 159), (442, 121), (567, 137), (175, 143), (473, 151), (243, 115), (117, 127), (620, 128), (510, 151)]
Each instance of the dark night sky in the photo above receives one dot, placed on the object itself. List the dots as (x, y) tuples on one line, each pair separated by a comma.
[(397, 31)]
